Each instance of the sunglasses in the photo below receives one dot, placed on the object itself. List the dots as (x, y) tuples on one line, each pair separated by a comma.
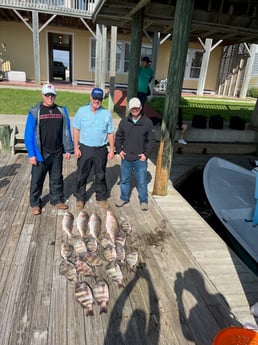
[(97, 98), (50, 95)]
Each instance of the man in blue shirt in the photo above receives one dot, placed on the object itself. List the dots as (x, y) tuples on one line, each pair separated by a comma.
[(92, 130)]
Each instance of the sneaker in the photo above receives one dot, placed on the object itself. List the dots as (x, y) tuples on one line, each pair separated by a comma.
[(61, 206), (102, 203), (121, 203), (36, 210), (144, 206), (182, 141)]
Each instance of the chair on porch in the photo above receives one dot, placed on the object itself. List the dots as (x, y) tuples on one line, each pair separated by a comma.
[(236, 336)]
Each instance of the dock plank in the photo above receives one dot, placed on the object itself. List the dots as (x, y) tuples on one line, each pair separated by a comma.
[(186, 287)]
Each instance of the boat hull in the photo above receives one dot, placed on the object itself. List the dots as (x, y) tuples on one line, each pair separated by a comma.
[(230, 190)]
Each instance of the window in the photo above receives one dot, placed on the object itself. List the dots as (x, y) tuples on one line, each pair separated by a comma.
[(193, 64), (122, 55)]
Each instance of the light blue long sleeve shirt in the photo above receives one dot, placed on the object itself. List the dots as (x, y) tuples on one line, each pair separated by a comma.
[(94, 127)]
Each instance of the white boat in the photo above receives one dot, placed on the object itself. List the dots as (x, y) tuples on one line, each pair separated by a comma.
[(230, 190)]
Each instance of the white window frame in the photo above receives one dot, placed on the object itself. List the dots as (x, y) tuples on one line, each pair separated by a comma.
[(189, 61), (146, 50)]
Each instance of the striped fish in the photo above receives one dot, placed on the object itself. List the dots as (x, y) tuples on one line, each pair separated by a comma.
[(101, 294), (83, 268), (66, 250), (92, 244), (125, 226), (84, 296), (110, 253), (120, 253), (132, 258), (67, 269), (79, 245), (114, 272)]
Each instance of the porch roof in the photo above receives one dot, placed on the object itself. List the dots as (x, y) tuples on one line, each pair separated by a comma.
[(233, 21)]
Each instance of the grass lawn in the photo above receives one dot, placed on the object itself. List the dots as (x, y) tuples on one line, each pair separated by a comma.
[(226, 107), (19, 101)]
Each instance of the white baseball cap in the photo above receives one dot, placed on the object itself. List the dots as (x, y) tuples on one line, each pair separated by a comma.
[(48, 88), (134, 103)]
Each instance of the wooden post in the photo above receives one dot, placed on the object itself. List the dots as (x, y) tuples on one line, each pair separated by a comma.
[(112, 72), (5, 136), (135, 52), (183, 18)]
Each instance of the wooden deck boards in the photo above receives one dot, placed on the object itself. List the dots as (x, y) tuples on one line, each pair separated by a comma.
[(187, 287)]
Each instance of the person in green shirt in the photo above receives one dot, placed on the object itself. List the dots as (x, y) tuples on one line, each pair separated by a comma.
[(145, 75)]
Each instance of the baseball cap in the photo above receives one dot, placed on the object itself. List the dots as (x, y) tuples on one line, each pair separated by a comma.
[(97, 92), (145, 58), (48, 88), (134, 103)]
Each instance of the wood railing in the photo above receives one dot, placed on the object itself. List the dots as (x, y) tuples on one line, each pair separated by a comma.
[(72, 7)]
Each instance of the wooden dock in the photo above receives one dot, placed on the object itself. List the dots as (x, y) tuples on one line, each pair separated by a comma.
[(187, 286)]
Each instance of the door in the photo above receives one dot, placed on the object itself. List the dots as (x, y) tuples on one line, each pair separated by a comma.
[(60, 62)]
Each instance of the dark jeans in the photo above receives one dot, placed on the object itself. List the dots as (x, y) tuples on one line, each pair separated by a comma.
[(96, 158), (142, 97), (53, 164)]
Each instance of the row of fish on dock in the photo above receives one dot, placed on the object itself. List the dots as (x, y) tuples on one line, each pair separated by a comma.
[(98, 253)]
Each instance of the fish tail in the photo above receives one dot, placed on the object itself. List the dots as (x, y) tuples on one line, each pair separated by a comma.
[(103, 310), (89, 312)]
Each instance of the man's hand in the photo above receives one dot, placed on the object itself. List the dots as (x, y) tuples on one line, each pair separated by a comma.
[(77, 152), (67, 155), (122, 154), (142, 157), (33, 160)]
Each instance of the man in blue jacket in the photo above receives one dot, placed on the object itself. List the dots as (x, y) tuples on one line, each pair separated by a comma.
[(47, 137)]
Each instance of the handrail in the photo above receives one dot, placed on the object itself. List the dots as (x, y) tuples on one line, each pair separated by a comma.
[(66, 7)]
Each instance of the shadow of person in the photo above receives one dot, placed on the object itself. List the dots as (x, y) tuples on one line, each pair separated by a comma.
[(210, 313), (112, 173), (141, 329), (6, 172)]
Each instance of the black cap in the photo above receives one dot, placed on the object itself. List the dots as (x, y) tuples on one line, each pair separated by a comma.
[(145, 58)]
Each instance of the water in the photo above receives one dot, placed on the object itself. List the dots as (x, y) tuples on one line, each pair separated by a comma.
[(193, 191)]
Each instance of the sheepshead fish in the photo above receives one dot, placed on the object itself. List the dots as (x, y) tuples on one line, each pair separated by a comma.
[(79, 245), (83, 268), (114, 272), (109, 253), (66, 250), (105, 242), (67, 223), (111, 226), (120, 253), (132, 258), (92, 244), (83, 295), (121, 238), (92, 259), (125, 226), (82, 223), (101, 294), (67, 269), (94, 225)]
